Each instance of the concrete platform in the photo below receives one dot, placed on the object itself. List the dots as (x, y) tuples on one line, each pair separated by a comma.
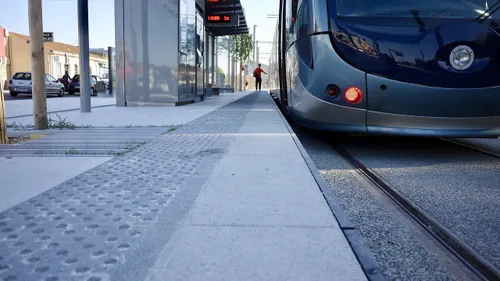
[(226, 196)]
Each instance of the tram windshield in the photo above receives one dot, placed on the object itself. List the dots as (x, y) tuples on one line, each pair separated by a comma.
[(469, 9)]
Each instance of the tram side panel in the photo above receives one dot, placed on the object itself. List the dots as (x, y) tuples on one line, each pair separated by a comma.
[(313, 69)]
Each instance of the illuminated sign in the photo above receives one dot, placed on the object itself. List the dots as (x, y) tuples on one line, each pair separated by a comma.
[(217, 19), (221, 2), (222, 13), (222, 20)]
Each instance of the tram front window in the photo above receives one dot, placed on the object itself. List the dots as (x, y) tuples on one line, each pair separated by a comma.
[(467, 9)]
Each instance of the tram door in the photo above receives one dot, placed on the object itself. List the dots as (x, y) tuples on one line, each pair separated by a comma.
[(200, 49)]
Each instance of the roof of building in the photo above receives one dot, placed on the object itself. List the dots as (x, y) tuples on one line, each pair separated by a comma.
[(233, 7), (58, 46)]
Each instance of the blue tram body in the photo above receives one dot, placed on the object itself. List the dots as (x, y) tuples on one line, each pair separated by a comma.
[(406, 67)]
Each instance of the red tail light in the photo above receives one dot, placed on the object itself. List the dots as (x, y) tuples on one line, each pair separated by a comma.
[(353, 95)]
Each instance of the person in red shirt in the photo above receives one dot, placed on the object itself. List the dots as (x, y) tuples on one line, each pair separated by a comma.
[(257, 73)]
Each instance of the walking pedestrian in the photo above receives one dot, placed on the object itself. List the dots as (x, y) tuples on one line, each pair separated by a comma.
[(257, 73)]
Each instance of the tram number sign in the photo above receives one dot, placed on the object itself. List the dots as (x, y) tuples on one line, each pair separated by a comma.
[(222, 20)]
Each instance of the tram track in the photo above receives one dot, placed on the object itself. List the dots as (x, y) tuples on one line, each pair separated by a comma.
[(461, 251), (472, 147)]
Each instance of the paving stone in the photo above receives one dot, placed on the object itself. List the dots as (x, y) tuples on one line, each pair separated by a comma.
[(110, 222)]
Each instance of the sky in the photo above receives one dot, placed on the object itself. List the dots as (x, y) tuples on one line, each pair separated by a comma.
[(60, 17)]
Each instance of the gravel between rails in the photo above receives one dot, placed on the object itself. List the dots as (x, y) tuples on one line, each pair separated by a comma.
[(457, 186), (399, 251)]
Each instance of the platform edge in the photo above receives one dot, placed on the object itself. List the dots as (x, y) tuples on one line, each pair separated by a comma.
[(364, 255)]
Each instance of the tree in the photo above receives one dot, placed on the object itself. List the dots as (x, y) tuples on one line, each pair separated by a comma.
[(243, 46), (223, 44)]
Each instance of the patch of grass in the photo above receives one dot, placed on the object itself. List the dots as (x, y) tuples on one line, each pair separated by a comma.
[(20, 127), (14, 140), (129, 145), (173, 128), (70, 152), (61, 123)]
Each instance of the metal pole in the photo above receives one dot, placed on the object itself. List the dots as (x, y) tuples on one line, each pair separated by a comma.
[(83, 38), (110, 70), (213, 81), (254, 38), (257, 55), (37, 64), (228, 77), (217, 61), (3, 118), (234, 68), (206, 53)]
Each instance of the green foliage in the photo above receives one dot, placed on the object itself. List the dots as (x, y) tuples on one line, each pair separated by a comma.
[(243, 47), (242, 43), (223, 44)]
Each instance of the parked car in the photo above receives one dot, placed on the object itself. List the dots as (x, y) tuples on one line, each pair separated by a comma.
[(105, 78), (21, 84), (105, 81), (74, 85)]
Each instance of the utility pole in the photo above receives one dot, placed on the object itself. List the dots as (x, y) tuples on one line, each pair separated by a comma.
[(83, 39), (228, 76), (254, 38), (257, 55), (234, 71), (37, 64)]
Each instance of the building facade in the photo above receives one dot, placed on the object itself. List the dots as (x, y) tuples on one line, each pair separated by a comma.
[(165, 53), (58, 57), (3, 57)]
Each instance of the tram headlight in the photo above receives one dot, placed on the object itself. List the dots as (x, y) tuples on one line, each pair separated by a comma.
[(461, 57)]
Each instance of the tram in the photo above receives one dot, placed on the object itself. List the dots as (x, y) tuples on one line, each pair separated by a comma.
[(390, 67)]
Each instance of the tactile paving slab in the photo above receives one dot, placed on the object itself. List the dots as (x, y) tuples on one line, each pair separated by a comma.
[(85, 142), (110, 223)]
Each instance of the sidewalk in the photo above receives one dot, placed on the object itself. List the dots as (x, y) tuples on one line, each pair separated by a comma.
[(22, 108), (226, 196), (111, 115)]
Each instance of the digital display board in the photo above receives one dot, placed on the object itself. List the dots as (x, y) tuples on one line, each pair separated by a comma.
[(221, 2), (218, 19), (222, 20)]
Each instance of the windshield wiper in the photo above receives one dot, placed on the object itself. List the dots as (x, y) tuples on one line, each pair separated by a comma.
[(490, 11)]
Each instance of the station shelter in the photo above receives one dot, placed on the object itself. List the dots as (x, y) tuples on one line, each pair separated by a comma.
[(166, 49)]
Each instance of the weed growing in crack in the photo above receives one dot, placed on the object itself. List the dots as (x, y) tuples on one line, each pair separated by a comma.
[(61, 123)]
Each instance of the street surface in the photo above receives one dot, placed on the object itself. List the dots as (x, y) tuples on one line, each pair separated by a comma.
[(8, 97)]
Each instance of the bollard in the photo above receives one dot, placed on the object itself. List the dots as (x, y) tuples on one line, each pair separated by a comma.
[(3, 118)]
